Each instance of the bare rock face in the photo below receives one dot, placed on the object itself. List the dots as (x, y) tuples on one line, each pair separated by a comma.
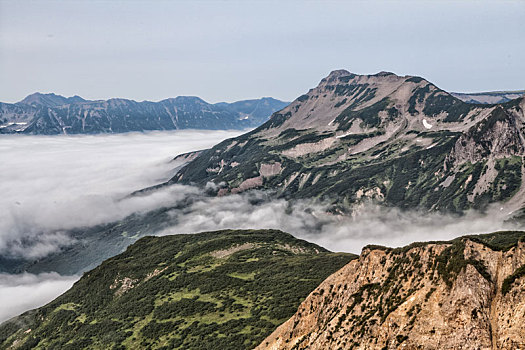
[(464, 294)]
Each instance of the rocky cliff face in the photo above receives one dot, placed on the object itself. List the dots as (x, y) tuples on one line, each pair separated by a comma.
[(464, 294), (54, 114), (395, 140)]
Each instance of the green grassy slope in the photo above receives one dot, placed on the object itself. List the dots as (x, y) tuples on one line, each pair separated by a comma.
[(224, 290)]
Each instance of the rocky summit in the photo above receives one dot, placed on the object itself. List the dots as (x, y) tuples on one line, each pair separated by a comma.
[(394, 140)]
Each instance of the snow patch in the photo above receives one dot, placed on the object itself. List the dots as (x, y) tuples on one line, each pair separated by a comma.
[(426, 124)]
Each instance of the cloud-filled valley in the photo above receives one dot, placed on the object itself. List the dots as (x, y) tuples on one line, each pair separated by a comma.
[(50, 185), (26, 291)]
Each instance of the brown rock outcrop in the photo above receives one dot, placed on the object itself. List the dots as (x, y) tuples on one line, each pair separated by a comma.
[(462, 294)]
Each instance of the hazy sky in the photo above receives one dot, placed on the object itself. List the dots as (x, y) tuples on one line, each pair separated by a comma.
[(229, 50)]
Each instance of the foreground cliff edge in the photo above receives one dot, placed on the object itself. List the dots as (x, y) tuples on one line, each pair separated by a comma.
[(468, 293), (230, 289)]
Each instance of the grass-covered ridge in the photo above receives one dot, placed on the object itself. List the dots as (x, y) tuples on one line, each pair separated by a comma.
[(226, 290)]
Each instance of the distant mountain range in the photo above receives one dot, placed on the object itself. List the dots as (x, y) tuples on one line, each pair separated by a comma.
[(489, 97), (54, 114), (395, 140)]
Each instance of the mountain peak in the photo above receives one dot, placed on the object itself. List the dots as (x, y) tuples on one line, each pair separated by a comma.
[(339, 73), (336, 74), (50, 99), (185, 99)]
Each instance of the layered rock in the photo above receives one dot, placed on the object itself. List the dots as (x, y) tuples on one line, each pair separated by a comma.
[(464, 294)]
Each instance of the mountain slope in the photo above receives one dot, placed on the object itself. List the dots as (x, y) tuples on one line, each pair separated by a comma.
[(54, 114), (224, 289), (465, 294), (396, 140)]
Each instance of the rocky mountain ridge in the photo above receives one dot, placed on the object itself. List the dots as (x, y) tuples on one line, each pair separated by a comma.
[(53, 114), (395, 140), (463, 294)]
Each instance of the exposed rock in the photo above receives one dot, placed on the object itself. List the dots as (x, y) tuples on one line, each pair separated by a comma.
[(446, 295), (398, 139), (187, 157), (226, 252), (497, 136), (267, 170), (123, 285), (248, 184)]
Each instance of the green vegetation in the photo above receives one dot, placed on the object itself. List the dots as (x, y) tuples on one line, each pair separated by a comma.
[(303, 98), (501, 240), (369, 115), (412, 168), (507, 283), (452, 261), (226, 289)]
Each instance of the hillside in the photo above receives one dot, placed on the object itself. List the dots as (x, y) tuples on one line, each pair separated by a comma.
[(223, 290), (398, 141), (464, 294), (54, 114)]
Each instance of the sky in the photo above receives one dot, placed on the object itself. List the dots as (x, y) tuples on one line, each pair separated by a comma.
[(232, 50)]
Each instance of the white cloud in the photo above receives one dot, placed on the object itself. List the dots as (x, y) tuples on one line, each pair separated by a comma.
[(53, 183), (23, 292), (370, 224)]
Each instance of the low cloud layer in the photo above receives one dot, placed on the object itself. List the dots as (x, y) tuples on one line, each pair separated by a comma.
[(23, 292), (370, 224), (54, 183), (51, 184)]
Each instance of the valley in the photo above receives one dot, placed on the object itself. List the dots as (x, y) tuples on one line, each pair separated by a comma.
[(233, 288), (292, 175)]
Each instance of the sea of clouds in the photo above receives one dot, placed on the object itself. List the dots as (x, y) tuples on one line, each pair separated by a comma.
[(50, 184)]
